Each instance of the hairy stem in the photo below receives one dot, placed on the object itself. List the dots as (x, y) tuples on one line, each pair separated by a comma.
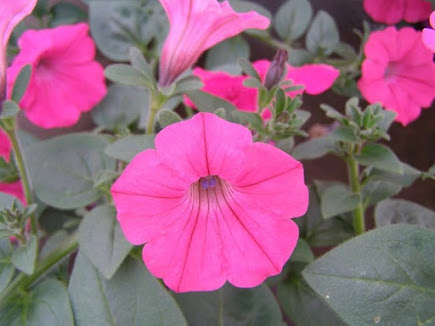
[(358, 213)]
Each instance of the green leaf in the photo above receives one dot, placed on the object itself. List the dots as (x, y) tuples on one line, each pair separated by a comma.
[(187, 84), (62, 169), (322, 36), (337, 200), (224, 56), (384, 276), (46, 304), (345, 51), (6, 201), (345, 134), (206, 102), (126, 148), (65, 13), (254, 119), (117, 26), (381, 157), (121, 106), (167, 118), (24, 258), (21, 83), (10, 109), (127, 75), (299, 57), (131, 297), (406, 179), (249, 69), (231, 306), (139, 62), (375, 191), (102, 241), (7, 270), (292, 19), (395, 211), (314, 148)]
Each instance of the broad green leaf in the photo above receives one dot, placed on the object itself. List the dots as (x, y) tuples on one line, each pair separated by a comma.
[(249, 69), (139, 62), (299, 57), (167, 118), (7, 200), (322, 36), (314, 148), (206, 102), (116, 26), (385, 276), (231, 306), (395, 211), (52, 219), (46, 304), (102, 241), (254, 119), (21, 83), (345, 134), (337, 200), (292, 19), (24, 258), (121, 106), (62, 169), (381, 157), (65, 13), (375, 191), (131, 297), (303, 306), (127, 75), (7, 270), (346, 51), (187, 84), (10, 109), (406, 179), (224, 56), (126, 148)]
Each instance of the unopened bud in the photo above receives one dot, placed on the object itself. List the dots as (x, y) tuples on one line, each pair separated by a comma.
[(277, 69)]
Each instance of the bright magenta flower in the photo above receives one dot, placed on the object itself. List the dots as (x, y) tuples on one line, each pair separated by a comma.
[(5, 146), (197, 25), (11, 13), (393, 11), (211, 205), (65, 81), (429, 34), (316, 78), (398, 72), (14, 189)]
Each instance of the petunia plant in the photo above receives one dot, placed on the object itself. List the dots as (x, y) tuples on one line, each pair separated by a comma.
[(158, 158)]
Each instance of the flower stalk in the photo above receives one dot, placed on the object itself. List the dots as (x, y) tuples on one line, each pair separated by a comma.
[(358, 213)]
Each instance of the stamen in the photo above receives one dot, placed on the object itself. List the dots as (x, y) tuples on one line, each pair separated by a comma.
[(208, 182)]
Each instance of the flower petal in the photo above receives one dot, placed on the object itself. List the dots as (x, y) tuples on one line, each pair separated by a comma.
[(14, 189), (429, 38), (5, 146), (316, 78), (205, 145)]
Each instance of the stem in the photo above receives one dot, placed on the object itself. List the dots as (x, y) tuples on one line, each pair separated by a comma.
[(358, 213), (157, 102), (24, 281), (23, 172)]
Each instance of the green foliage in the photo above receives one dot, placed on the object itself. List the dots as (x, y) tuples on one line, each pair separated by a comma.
[(168, 117), (63, 169), (47, 303), (322, 36), (24, 257), (128, 75), (381, 157), (121, 106), (187, 84), (65, 13), (338, 199), (292, 19), (230, 306), (206, 102), (125, 149), (224, 56), (10, 109), (383, 276), (396, 211), (314, 148), (131, 297), (119, 25), (21, 83), (7, 269)]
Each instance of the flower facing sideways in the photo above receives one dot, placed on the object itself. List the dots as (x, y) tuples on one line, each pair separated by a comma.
[(429, 34), (65, 81), (211, 205), (398, 72), (195, 26), (393, 11)]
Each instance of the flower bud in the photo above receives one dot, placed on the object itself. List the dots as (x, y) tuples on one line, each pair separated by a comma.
[(277, 69)]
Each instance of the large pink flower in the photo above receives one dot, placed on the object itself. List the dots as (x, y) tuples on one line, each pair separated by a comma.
[(393, 11), (197, 25), (11, 13), (14, 189), (5, 146), (316, 78), (211, 205), (398, 72), (65, 81), (429, 34)]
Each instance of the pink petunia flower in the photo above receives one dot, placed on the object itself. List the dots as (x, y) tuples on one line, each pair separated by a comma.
[(14, 189), (316, 78), (211, 205), (65, 81), (393, 11), (398, 72), (195, 26), (429, 34), (5, 146), (11, 13)]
